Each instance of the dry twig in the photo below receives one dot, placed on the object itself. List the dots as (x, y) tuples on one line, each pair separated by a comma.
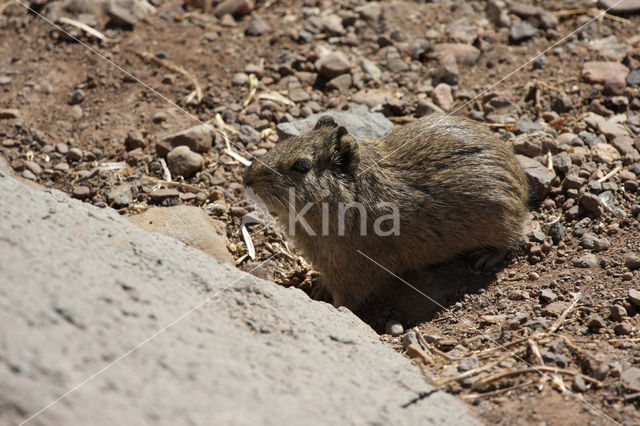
[(196, 95), (87, 29), (558, 323)]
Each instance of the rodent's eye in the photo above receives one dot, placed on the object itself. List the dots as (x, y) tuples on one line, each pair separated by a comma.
[(302, 165)]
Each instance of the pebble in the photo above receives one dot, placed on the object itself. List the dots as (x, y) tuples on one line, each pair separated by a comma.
[(632, 262), (612, 74), (592, 203), (120, 196), (198, 138), (370, 69), (579, 385), (81, 192), (75, 154), (342, 83), (631, 379), (468, 363), (548, 296), (332, 65), (618, 312), (595, 321), (633, 79), (27, 174), (623, 329), (557, 232), (539, 177), (33, 167), (257, 26), (634, 297), (465, 54), (184, 162), (9, 113), (604, 153), (521, 31), (558, 359), (442, 97), (586, 261), (394, 328), (135, 139), (622, 7), (240, 79), (77, 97), (62, 167), (409, 338), (62, 148), (164, 193), (234, 7)]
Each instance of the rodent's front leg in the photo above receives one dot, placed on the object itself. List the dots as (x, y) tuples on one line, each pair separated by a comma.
[(321, 292)]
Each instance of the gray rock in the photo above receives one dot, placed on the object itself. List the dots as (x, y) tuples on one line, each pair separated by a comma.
[(632, 262), (409, 338), (9, 114), (209, 341), (526, 125), (558, 359), (120, 196), (595, 321), (332, 65), (548, 296), (394, 328), (579, 385), (539, 176), (359, 121), (618, 312), (623, 329), (592, 204), (234, 7), (535, 144), (586, 261), (631, 379), (633, 79), (184, 162), (634, 297), (521, 31), (257, 26), (28, 174), (557, 232), (469, 363), (370, 69), (76, 97), (198, 138), (623, 7), (612, 74)]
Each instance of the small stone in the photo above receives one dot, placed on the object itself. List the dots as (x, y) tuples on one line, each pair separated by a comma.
[(341, 83), (9, 114), (394, 328), (33, 167), (623, 329), (332, 65), (630, 378), (592, 203), (198, 138), (468, 363), (612, 74), (238, 211), (604, 153), (521, 31), (134, 140), (61, 167), (634, 297), (184, 162), (75, 154), (632, 262), (618, 312), (234, 7), (557, 232), (579, 385), (442, 97), (81, 192), (240, 79), (370, 69), (409, 338), (555, 358), (555, 309), (76, 97), (257, 26), (27, 174), (548, 296), (633, 79), (62, 148), (526, 125), (586, 261), (534, 144), (120, 196), (595, 321), (299, 95), (164, 193), (539, 177)]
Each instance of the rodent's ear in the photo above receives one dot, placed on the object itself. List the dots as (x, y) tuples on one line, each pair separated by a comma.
[(347, 150), (325, 121)]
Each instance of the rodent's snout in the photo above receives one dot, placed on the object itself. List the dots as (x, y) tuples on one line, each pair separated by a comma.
[(249, 176)]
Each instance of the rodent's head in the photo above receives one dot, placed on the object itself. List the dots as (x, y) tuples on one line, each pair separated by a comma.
[(323, 160)]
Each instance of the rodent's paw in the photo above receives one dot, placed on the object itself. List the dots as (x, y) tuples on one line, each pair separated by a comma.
[(486, 259), (321, 292)]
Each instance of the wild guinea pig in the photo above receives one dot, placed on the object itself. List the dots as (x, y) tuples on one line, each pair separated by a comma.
[(427, 192)]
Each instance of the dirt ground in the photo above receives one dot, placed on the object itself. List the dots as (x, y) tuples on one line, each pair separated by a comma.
[(550, 338)]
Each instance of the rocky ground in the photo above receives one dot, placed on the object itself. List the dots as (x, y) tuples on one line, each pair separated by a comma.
[(114, 127)]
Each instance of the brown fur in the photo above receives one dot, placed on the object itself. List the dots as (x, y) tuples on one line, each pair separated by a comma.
[(457, 186)]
